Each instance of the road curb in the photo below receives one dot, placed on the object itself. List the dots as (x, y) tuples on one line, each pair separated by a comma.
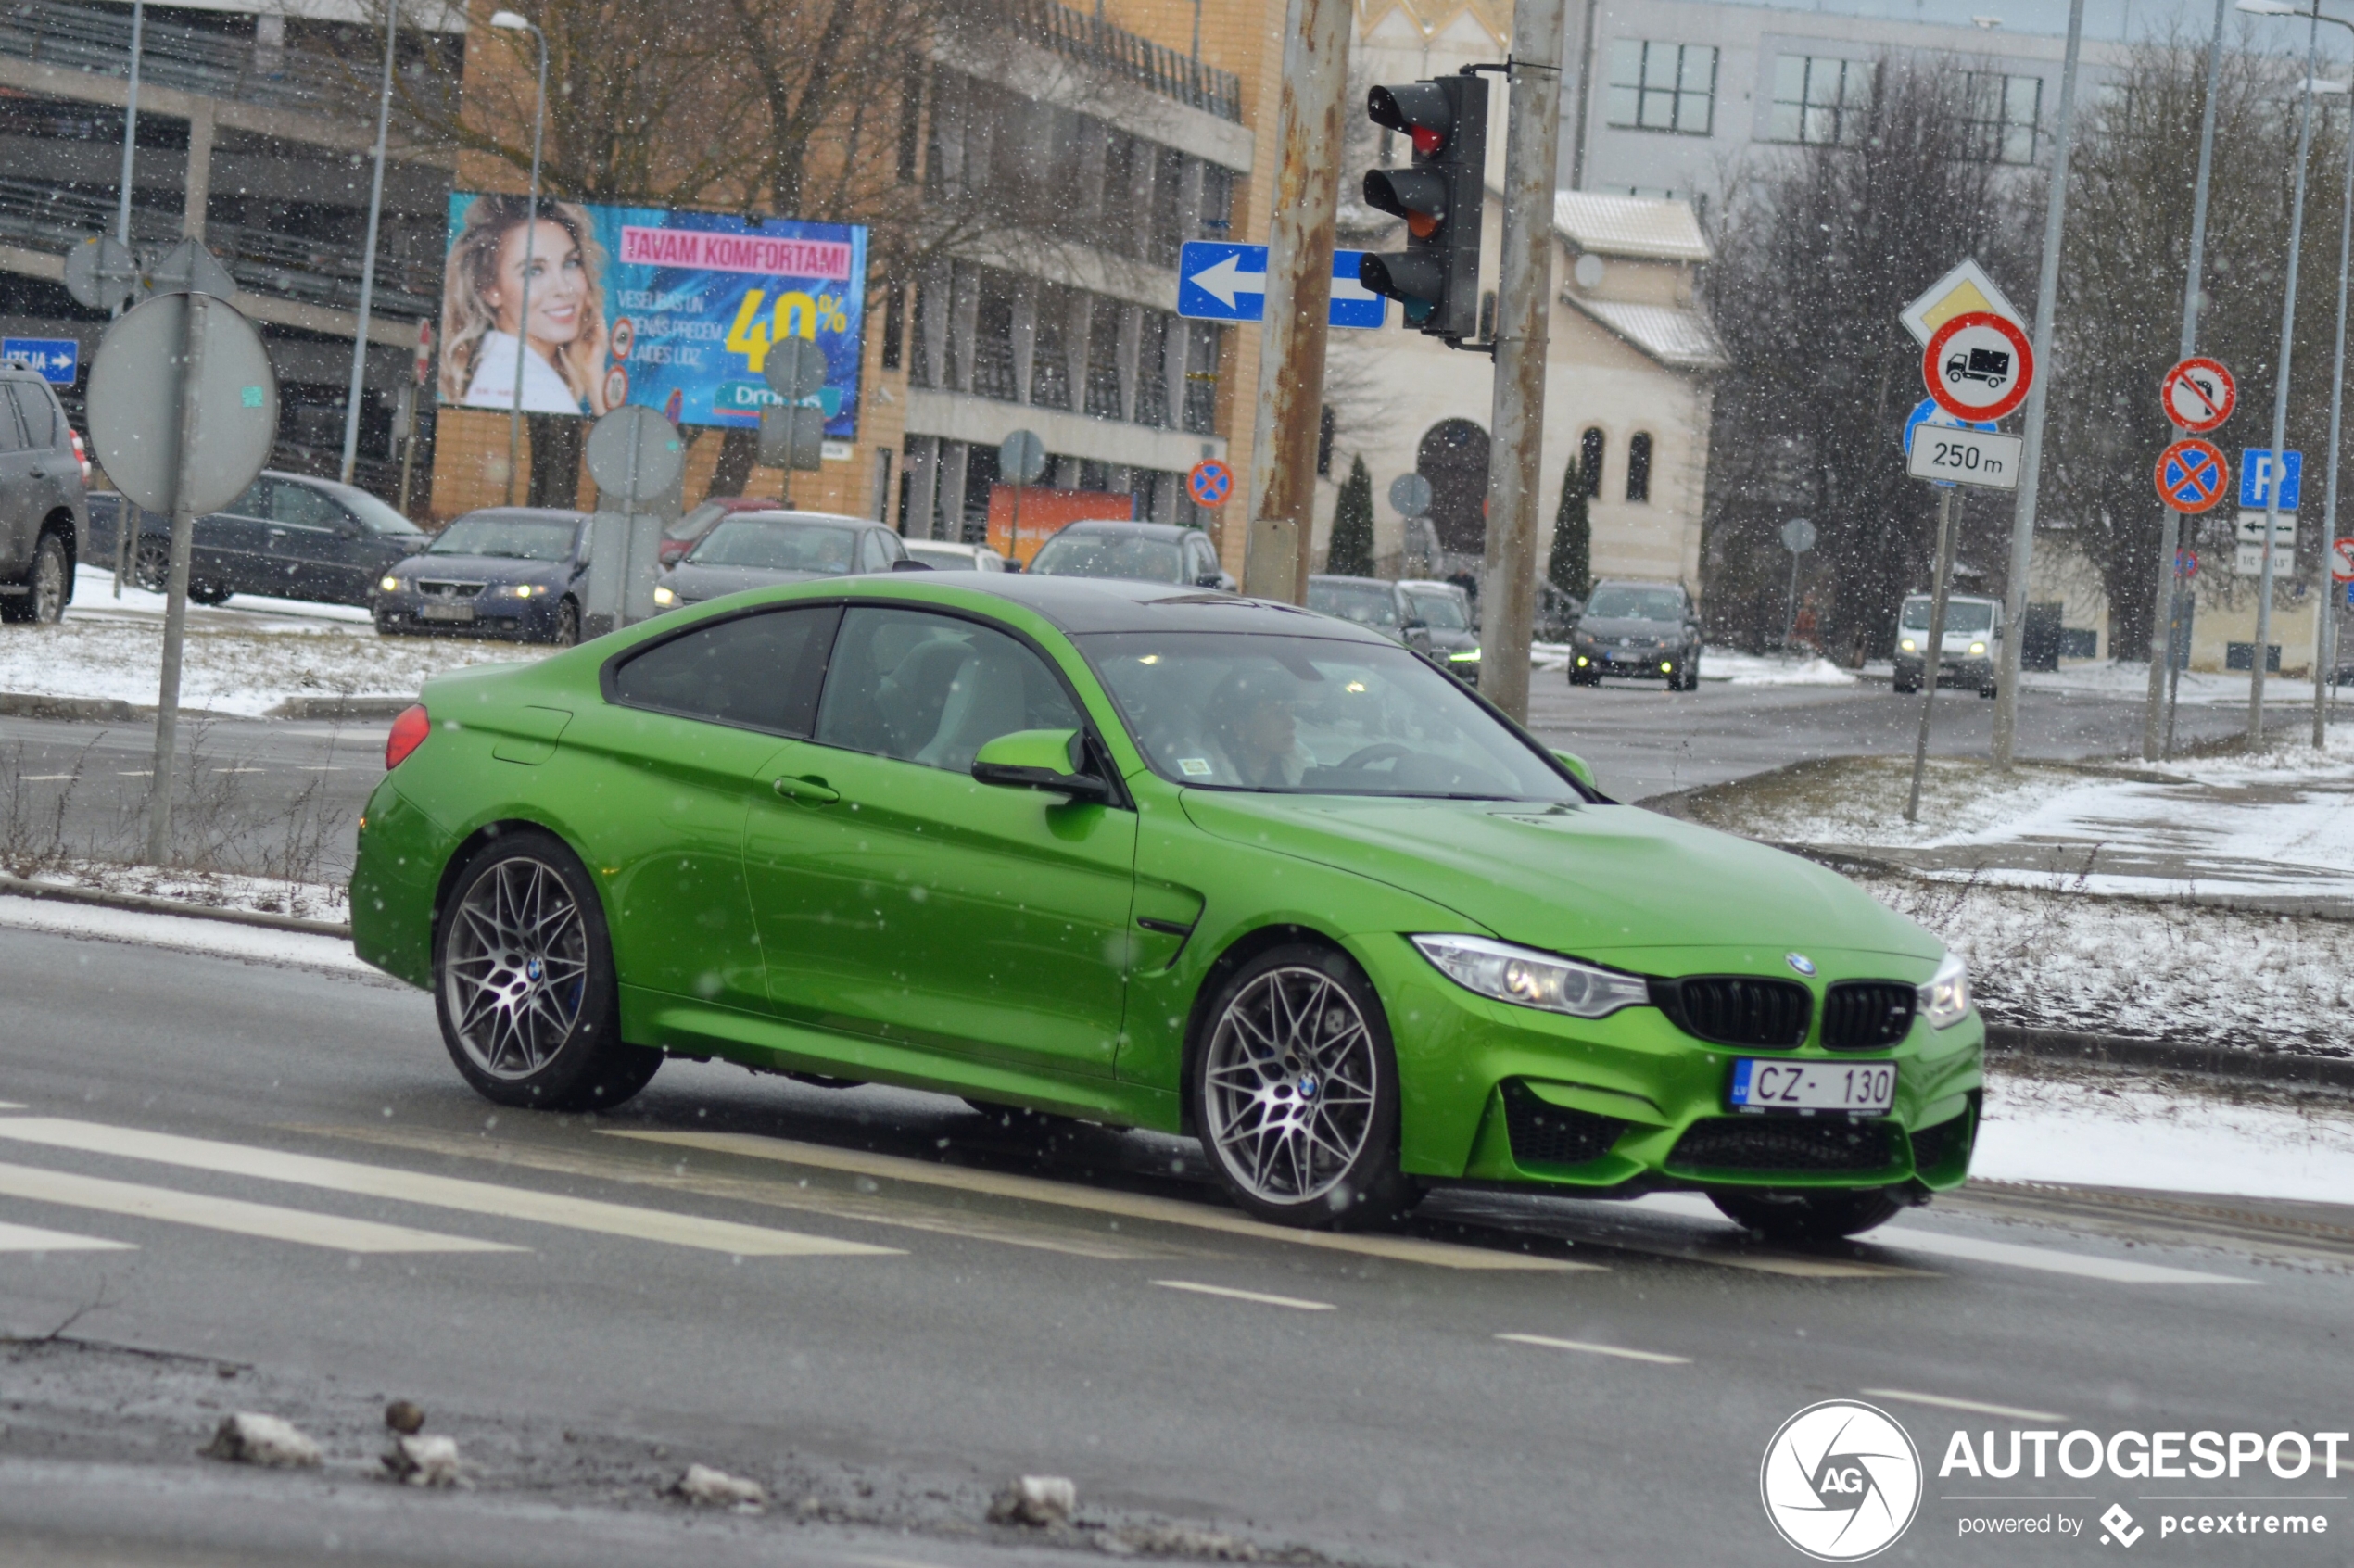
[(341, 708), (19, 886), (84, 710), (2276, 1069)]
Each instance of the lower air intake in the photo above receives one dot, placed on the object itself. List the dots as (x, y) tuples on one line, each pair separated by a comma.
[(1933, 1146), (1756, 1142), (1548, 1134)]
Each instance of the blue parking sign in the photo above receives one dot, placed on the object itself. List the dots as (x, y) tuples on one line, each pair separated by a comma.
[(2256, 476), (58, 360)]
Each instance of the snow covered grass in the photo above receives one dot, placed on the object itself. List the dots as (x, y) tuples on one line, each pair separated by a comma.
[(1737, 668), (254, 944), (2131, 682), (1861, 801), (209, 890), (243, 658)]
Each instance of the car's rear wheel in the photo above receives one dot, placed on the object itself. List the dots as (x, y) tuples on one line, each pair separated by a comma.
[(1295, 1091), (43, 602), (524, 984), (1809, 1217)]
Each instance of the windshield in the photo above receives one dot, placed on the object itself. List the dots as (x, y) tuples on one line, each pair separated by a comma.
[(943, 560), (375, 515), (510, 539), (1307, 715), (777, 547), (1108, 555), (1368, 604), (1968, 616), (1439, 611), (1617, 601)]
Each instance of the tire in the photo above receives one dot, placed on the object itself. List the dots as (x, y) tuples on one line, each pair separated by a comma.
[(1809, 1217), (151, 562), (48, 585), (209, 593), (531, 1018), (1300, 1023), (1904, 688), (567, 632)]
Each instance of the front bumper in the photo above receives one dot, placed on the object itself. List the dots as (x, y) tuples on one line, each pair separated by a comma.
[(1954, 669), (494, 613), (1651, 664)]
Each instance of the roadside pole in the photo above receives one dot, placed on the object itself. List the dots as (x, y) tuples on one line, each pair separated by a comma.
[(1933, 651), (1524, 304), (175, 603), (1298, 300), (2032, 463), (2157, 737), (368, 256), (130, 130), (2325, 585)]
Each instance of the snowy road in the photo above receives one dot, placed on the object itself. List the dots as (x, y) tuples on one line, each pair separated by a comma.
[(269, 1182)]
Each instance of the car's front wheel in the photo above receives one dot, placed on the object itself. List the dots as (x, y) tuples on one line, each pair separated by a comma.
[(524, 984), (567, 632), (1808, 1217), (1295, 1091)]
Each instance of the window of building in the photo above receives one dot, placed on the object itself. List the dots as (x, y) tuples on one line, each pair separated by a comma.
[(1818, 101), (911, 119), (1639, 466), (1050, 351), (1168, 208), (1154, 344), (1999, 115), (894, 326), (1669, 87), (1103, 359), (921, 372), (1216, 200), (1326, 428), (993, 339), (1589, 462)]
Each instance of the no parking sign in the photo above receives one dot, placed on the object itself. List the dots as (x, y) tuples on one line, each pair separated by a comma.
[(1209, 484)]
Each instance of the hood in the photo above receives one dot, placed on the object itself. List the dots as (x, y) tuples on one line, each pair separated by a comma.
[(1447, 641), (483, 569), (694, 583), (1613, 883), (1615, 626)]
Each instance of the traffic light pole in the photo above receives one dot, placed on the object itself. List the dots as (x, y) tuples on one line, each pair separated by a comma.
[(1299, 292), (1524, 302)]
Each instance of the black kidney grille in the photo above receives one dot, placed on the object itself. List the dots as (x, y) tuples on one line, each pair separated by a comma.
[(1868, 1015), (1756, 1142), (1546, 1134), (1737, 1009)]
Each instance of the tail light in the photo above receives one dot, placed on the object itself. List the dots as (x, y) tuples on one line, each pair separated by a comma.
[(408, 732), (81, 454)]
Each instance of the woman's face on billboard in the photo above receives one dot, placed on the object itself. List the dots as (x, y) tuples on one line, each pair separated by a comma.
[(559, 283)]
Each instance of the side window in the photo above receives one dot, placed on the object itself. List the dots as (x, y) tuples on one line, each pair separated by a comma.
[(872, 555), (11, 434), (306, 508), (37, 408), (754, 672), (934, 689), (255, 502)]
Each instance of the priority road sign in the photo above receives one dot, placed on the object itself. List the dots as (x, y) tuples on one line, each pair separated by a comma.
[(1964, 289), (1209, 483), (2199, 393), (58, 360), (2191, 475), (2341, 560), (1979, 365), (2256, 476), (1224, 281)]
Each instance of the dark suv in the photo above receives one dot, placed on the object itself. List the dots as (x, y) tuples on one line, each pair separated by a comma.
[(42, 511)]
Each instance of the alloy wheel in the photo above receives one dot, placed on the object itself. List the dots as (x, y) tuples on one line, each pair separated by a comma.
[(49, 584), (1288, 1085), (516, 970)]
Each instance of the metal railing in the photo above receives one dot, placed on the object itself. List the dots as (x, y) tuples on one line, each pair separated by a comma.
[(1079, 36)]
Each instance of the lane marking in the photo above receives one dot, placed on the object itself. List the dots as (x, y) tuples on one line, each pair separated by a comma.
[(243, 1219), (43, 777), (438, 1191), (846, 1206), (2117, 1270), (9, 1104), (32, 1238), (1293, 1302), (1977, 1407), (1591, 1349), (1131, 1205)]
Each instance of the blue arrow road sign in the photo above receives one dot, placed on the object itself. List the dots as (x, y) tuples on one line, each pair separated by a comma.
[(1926, 411), (57, 358), (1219, 280), (2255, 473)]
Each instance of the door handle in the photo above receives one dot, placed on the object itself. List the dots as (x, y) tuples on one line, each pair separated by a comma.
[(816, 791), (40, 473)]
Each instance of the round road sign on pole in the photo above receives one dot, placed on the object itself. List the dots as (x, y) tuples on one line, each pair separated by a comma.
[(1209, 484), (795, 369), (1979, 366), (1798, 535), (2199, 395), (101, 273), (135, 405), (2192, 475), (2186, 564), (1410, 495), (2341, 560), (1021, 458), (634, 456)]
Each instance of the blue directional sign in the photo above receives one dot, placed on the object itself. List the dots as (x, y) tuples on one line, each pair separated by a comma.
[(57, 358), (1219, 280), (1926, 411), (2255, 473)]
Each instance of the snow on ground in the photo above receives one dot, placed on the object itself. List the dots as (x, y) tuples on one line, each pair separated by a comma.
[(1861, 801), (1750, 669), (209, 890), (245, 657), (2131, 682), (299, 950), (2134, 1132)]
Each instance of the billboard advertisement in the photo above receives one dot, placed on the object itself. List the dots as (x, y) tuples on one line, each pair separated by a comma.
[(668, 309)]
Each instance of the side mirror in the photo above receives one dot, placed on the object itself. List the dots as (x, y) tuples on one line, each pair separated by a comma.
[(1039, 759), (1576, 765), (1210, 580)]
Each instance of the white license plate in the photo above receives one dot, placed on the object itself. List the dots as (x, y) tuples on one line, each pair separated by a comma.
[(1867, 1088), (446, 613)]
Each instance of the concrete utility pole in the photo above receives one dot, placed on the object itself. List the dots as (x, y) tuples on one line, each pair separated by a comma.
[(2031, 461), (1524, 303), (1299, 293), (2157, 729), (368, 256)]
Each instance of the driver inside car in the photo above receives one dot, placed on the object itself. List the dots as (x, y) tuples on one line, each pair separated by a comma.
[(1254, 732)]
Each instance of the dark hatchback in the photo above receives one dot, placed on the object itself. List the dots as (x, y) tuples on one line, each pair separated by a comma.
[(505, 571), (1649, 630), (1142, 552), (290, 535), (753, 550)]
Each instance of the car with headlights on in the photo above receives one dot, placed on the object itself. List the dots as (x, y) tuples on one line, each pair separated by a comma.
[(1374, 603), (1157, 859), (762, 548), (1972, 644), (1646, 629), (504, 571), (1445, 610)]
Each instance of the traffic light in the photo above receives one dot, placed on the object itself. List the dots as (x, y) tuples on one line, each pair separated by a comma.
[(1440, 196)]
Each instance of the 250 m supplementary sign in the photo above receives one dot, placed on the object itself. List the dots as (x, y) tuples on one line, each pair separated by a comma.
[(1969, 457)]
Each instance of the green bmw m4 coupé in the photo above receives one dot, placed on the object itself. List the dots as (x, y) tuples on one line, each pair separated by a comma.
[(1159, 858)]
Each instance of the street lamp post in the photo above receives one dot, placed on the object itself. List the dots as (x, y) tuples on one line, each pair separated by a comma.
[(368, 259), (514, 22), (130, 130)]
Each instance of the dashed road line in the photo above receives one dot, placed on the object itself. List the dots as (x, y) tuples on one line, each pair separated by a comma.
[(438, 1191), (32, 1238), (1261, 1297), (1589, 1348), (1976, 1407), (1131, 1205), (239, 1217)]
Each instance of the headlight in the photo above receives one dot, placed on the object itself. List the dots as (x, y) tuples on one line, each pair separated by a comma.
[(1468, 656), (664, 596), (1978, 648), (1531, 979), (524, 591), (390, 585), (1909, 646), (1945, 1001), (1581, 659)]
